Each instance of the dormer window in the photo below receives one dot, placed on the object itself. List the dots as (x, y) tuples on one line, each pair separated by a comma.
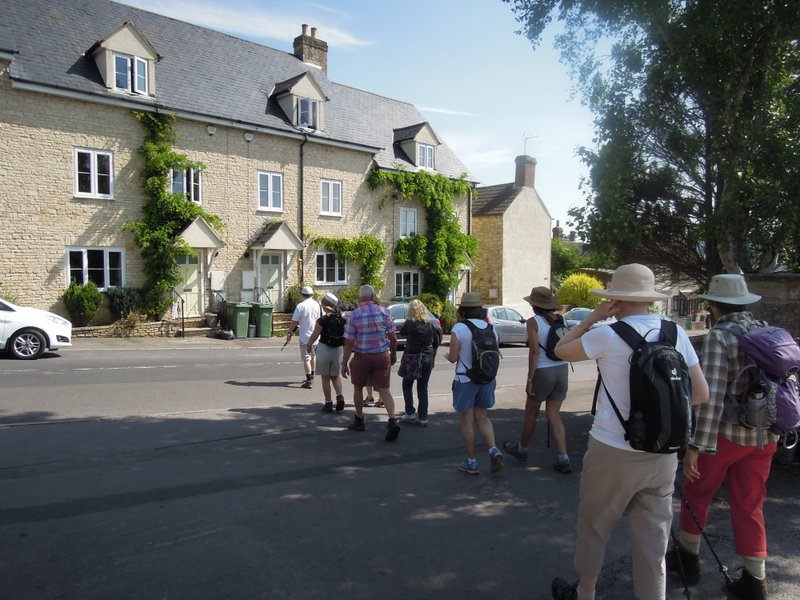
[(302, 101), (307, 113), (130, 73), (418, 142), (425, 156)]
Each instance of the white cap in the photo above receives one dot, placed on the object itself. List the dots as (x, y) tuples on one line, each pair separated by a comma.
[(307, 291)]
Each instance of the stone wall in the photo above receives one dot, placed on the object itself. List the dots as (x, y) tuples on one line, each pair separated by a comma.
[(780, 299), (151, 329), (488, 273)]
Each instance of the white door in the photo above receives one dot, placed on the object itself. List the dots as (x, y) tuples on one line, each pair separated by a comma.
[(189, 287), (272, 278)]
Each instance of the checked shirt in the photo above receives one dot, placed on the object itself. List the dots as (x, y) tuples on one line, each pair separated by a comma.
[(369, 326)]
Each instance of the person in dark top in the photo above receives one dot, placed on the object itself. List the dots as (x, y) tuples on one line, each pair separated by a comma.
[(330, 331), (421, 338)]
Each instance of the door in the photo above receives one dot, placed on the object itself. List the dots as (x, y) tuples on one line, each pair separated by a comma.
[(501, 325), (272, 279), (190, 284), (517, 323)]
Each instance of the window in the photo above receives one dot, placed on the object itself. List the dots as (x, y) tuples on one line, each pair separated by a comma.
[(500, 314), (408, 221), (331, 198), (130, 73), (307, 113), (425, 156), (270, 191), (188, 183), (513, 315), (398, 311), (330, 268), (93, 175), (103, 266), (406, 284)]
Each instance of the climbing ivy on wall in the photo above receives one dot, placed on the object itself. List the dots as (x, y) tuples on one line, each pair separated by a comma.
[(366, 250), (440, 251), (165, 214)]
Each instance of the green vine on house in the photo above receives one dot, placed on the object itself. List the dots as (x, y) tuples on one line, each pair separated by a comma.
[(165, 214), (366, 250), (440, 252)]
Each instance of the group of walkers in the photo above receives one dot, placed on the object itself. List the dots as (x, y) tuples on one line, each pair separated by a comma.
[(616, 477)]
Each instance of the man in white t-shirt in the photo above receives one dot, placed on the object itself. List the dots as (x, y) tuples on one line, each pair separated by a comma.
[(304, 318), (617, 479)]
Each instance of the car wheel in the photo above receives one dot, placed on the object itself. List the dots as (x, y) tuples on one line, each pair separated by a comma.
[(27, 344)]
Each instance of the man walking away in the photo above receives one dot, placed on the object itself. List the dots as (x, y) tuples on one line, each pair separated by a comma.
[(722, 450), (370, 335), (304, 319), (617, 479)]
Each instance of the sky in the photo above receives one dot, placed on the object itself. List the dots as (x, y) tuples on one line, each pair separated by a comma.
[(480, 85)]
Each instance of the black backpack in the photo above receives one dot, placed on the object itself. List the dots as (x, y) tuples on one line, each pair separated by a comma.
[(333, 331), (558, 329), (485, 354), (661, 392)]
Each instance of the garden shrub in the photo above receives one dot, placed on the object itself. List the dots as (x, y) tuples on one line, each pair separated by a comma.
[(448, 316), (122, 300), (576, 290), (82, 302), (293, 296), (432, 302)]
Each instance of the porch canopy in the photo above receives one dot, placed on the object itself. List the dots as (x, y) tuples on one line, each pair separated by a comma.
[(277, 236), (199, 234)]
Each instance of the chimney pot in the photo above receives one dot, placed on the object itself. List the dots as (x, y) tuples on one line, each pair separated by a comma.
[(305, 29), (311, 49), (313, 32), (526, 171)]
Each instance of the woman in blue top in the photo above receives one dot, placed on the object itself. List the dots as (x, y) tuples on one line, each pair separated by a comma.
[(547, 381)]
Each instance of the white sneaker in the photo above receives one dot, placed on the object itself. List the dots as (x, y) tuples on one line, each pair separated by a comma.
[(412, 418)]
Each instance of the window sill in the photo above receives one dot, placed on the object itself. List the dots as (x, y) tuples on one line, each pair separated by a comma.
[(90, 197), (329, 283), (261, 209), (330, 214)]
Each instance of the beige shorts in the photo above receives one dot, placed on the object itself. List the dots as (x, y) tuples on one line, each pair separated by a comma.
[(305, 355), (329, 360)]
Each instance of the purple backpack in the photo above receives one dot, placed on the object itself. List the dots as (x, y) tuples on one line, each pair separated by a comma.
[(772, 399)]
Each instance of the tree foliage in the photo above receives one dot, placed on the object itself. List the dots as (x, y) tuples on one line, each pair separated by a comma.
[(366, 250), (565, 259), (697, 108), (576, 290)]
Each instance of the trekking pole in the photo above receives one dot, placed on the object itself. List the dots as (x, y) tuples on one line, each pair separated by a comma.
[(286, 343), (675, 544), (722, 568)]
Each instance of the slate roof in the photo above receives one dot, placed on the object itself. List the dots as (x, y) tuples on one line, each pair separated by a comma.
[(407, 133), (494, 199), (201, 71)]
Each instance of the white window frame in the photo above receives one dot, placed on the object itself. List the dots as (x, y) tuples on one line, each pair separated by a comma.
[(425, 156), (331, 185), (189, 184), (135, 66), (313, 110), (93, 174), (336, 269), (406, 214), (106, 269), (270, 191), (414, 282)]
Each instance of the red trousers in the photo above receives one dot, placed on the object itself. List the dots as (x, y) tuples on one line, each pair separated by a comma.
[(745, 469)]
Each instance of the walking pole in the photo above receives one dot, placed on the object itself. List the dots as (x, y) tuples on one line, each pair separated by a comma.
[(675, 543), (289, 339)]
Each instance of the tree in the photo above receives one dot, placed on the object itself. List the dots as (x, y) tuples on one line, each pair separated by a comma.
[(698, 127), (576, 290), (565, 259)]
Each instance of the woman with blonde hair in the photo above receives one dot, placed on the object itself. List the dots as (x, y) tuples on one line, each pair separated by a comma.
[(418, 360)]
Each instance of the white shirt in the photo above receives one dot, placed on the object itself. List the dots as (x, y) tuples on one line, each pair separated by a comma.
[(464, 336), (613, 359), (543, 360), (306, 314)]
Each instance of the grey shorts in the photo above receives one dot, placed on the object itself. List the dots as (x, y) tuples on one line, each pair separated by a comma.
[(329, 360), (550, 384), (305, 355)]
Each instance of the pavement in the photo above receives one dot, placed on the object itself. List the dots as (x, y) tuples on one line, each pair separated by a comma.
[(281, 501)]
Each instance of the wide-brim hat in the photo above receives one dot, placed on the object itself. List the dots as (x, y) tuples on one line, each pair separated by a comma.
[(542, 297), (729, 289), (470, 299), (307, 291), (330, 300), (632, 283)]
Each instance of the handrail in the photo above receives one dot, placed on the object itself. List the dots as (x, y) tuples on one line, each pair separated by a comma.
[(263, 294), (183, 317), (220, 306)]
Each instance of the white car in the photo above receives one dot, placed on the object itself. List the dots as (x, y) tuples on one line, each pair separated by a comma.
[(25, 333), (508, 323)]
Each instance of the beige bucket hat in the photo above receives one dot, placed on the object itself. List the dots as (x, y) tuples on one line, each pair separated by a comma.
[(632, 283), (729, 289), (471, 299), (330, 300), (542, 297)]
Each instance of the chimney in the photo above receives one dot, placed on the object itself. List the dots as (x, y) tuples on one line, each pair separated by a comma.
[(526, 170), (311, 49), (558, 233)]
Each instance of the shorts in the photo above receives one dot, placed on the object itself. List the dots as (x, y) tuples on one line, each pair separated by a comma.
[(467, 396), (305, 355), (329, 360), (371, 369), (550, 384)]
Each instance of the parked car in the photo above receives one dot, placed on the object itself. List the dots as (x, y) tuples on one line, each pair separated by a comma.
[(399, 311), (25, 333), (575, 315), (508, 323)]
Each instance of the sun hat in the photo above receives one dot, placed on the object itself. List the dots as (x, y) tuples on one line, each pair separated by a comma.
[(729, 289), (307, 291), (330, 300), (632, 283), (471, 299), (542, 297)]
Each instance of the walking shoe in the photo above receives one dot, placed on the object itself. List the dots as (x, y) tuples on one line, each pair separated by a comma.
[(513, 449), (379, 403), (339, 403), (680, 557), (306, 385), (392, 430), (369, 401), (747, 587), (357, 424), (410, 418), (562, 466), (496, 459), (470, 467), (327, 407), (423, 422), (563, 590)]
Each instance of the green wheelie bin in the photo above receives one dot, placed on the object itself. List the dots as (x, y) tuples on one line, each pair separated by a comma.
[(261, 317), (238, 315)]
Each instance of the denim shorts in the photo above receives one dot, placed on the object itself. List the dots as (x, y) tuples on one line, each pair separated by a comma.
[(470, 395)]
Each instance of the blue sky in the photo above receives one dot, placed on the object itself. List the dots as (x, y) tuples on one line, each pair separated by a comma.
[(481, 86)]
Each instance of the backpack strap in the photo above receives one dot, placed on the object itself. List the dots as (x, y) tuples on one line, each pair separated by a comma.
[(610, 399), (628, 334), (472, 329), (669, 332)]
